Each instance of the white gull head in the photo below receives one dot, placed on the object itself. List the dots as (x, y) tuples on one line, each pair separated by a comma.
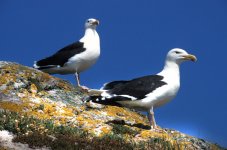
[(178, 56), (91, 23)]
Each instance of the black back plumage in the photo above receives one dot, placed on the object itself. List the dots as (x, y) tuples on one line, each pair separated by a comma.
[(122, 90), (62, 56), (114, 84), (138, 87)]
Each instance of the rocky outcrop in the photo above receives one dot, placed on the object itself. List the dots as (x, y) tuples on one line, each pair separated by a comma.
[(42, 111)]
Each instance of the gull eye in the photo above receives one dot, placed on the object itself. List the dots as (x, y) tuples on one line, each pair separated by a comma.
[(88, 21), (177, 52)]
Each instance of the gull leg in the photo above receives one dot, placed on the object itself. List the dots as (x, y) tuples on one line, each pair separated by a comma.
[(78, 79), (151, 118), (78, 82)]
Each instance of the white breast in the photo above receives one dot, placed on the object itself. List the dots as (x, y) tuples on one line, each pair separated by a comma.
[(86, 59), (161, 95), (164, 94)]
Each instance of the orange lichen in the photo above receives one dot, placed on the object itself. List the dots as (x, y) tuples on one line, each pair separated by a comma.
[(88, 121), (80, 118), (105, 130), (11, 106), (152, 134), (169, 137), (41, 109), (125, 114), (33, 89)]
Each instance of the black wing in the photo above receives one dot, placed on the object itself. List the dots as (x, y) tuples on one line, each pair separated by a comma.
[(138, 87), (62, 56), (107, 101), (114, 84)]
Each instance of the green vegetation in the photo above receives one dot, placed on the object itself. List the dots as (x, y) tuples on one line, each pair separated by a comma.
[(123, 129), (40, 133)]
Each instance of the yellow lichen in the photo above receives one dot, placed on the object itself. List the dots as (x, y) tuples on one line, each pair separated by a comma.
[(40, 108), (105, 130), (33, 89), (79, 118), (151, 134), (11, 106), (125, 114)]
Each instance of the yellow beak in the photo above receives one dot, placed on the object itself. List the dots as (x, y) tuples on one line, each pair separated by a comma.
[(190, 57)]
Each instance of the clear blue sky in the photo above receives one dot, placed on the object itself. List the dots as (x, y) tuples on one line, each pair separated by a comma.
[(135, 37)]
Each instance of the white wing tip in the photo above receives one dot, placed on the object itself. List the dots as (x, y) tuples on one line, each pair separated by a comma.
[(35, 65)]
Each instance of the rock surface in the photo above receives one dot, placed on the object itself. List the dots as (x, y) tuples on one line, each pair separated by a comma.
[(44, 112)]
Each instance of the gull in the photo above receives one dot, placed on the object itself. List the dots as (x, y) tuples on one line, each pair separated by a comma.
[(76, 57), (148, 92)]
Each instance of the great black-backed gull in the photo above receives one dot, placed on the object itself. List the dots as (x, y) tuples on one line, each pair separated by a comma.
[(148, 92), (75, 57)]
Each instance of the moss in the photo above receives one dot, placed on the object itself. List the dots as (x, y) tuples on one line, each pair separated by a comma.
[(34, 140), (36, 83), (41, 107), (123, 129), (37, 133), (111, 142)]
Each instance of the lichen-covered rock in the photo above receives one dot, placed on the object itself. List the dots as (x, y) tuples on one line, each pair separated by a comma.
[(43, 111)]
